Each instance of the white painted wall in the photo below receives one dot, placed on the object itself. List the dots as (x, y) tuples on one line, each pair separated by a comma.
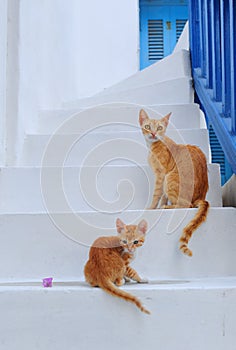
[(3, 57), (11, 122), (72, 49)]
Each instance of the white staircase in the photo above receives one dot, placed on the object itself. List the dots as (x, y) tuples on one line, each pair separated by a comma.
[(83, 167)]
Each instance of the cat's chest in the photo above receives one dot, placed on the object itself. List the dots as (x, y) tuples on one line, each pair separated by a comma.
[(127, 256), (159, 157), (156, 162)]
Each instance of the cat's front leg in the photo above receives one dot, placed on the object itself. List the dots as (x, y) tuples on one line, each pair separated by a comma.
[(158, 192), (132, 274), (163, 201)]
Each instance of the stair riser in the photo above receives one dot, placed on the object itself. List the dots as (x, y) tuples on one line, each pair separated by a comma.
[(183, 116), (58, 246), (91, 319), (161, 71), (167, 92), (110, 188), (97, 144)]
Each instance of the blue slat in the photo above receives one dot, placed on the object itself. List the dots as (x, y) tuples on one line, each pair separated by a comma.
[(216, 50), (225, 57), (208, 42), (214, 113), (202, 37), (194, 29), (214, 68), (232, 11)]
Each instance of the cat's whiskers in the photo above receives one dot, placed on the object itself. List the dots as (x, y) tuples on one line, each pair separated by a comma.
[(150, 139)]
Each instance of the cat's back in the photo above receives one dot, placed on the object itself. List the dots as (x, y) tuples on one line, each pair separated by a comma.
[(198, 157), (105, 246), (104, 259), (106, 242), (199, 164)]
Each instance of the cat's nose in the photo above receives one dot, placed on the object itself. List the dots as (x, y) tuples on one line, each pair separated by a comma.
[(153, 135)]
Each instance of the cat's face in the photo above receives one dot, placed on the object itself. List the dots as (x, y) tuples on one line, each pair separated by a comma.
[(131, 236), (153, 129)]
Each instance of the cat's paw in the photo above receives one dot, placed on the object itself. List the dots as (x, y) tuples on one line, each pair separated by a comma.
[(143, 280), (120, 282)]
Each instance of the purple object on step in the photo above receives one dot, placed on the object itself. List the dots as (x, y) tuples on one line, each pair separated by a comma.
[(47, 282)]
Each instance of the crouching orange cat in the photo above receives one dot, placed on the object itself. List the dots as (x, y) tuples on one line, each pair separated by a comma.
[(109, 261), (181, 179)]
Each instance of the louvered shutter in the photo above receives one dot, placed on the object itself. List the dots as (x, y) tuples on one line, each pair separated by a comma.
[(218, 156), (155, 39), (180, 23)]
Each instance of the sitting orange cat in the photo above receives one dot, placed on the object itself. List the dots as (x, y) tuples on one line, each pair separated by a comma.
[(109, 260), (181, 179)]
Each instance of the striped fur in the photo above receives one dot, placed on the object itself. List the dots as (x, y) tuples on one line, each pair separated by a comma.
[(110, 257), (181, 176), (200, 217), (110, 288)]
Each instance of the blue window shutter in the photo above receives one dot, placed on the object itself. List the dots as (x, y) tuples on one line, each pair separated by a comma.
[(161, 24)]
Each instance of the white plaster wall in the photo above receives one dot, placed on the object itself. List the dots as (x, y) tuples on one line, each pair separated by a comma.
[(3, 56), (73, 48), (11, 122)]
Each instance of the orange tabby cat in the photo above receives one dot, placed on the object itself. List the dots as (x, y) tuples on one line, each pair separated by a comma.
[(181, 179), (109, 259)]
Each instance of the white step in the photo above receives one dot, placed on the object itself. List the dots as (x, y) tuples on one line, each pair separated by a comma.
[(34, 246), (198, 315), (166, 92), (184, 116), (98, 142), (105, 188), (162, 70)]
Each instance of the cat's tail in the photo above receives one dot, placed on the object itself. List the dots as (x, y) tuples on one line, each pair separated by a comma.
[(110, 288), (200, 217)]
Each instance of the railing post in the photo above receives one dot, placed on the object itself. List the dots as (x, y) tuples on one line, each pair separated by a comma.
[(208, 42), (194, 33), (201, 6), (225, 57), (216, 50), (232, 14)]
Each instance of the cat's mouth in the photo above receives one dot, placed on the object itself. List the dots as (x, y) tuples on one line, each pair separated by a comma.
[(129, 250), (153, 137)]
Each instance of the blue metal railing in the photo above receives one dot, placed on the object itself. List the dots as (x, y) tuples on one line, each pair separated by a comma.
[(212, 26)]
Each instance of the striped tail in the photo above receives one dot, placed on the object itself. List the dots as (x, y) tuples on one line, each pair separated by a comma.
[(200, 217), (110, 288)]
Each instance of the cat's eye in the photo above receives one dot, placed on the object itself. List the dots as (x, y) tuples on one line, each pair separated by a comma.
[(124, 241), (147, 127), (135, 242), (159, 127)]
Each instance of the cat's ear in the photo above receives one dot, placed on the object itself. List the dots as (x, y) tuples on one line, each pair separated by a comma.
[(142, 116), (143, 226), (166, 118), (119, 225)]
